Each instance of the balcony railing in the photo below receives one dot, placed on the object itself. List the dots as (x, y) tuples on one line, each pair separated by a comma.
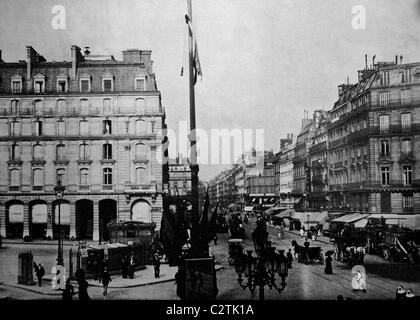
[(37, 188), (84, 187), (14, 188), (107, 187)]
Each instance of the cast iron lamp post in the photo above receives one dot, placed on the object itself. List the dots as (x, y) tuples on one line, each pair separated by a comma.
[(59, 192), (261, 270)]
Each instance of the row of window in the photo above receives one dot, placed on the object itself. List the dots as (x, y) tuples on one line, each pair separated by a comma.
[(84, 107), (384, 124), (84, 152), (405, 76), (141, 127), (85, 83), (385, 172), (84, 176)]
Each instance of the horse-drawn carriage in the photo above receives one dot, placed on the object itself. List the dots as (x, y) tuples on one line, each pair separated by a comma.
[(349, 245), (235, 249), (308, 254)]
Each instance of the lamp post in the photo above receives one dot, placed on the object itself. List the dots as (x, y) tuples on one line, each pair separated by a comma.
[(261, 270), (59, 192)]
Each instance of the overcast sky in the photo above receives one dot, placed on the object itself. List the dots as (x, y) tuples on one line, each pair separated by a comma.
[(263, 61)]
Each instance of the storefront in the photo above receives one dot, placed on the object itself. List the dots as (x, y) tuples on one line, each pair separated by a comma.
[(14, 221)]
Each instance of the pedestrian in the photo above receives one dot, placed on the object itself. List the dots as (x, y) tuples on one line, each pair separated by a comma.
[(124, 265), (156, 264), (131, 268), (289, 259), (301, 232), (68, 292), (106, 279), (40, 272), (83, 285), (400, 293), (328, 265)]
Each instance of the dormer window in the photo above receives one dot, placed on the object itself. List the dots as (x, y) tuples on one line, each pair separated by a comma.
[(85, 83), (62, 85), (107, 83), (39, 83), (140, 83), (16, 84)]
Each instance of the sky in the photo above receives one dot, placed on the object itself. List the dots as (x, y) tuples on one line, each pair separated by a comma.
[(264, 62)]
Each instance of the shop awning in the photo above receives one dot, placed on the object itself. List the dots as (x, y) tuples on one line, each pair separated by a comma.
[(351, 218), (39, 213), (16, 213), (361, 223), (404, 220), (285, 214), (314, 216), (412, 222)]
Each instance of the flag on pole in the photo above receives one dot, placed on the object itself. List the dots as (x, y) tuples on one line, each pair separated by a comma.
[(196, 59)]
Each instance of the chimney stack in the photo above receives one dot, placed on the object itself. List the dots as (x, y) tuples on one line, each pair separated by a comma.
[(401, 59), (396, 59), (76, 57), (0, 57), (87, 51), (366, 63)]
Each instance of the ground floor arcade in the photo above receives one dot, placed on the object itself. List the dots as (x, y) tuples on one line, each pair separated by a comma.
[(81, 217)]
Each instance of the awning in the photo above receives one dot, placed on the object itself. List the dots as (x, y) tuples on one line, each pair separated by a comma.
[(412, 222), (361, 223), (404, 220), (16, 213), (314, 217), (285, 214), (351, 218), (39, 213)]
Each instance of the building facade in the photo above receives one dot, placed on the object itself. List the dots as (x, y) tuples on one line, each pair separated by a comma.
[(95, 124), (373, 135)]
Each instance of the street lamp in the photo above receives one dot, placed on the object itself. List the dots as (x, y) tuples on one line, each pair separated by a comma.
[(261, 270), (59, 192)]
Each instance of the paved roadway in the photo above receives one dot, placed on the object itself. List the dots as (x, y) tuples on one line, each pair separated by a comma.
[(304, 281)]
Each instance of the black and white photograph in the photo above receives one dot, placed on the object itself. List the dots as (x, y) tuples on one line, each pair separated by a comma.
[(213, 151)]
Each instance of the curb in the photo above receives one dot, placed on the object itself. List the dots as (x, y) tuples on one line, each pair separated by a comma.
[(59, 292)]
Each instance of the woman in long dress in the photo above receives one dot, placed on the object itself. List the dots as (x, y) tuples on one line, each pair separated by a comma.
[(359, 281), (328, 265)]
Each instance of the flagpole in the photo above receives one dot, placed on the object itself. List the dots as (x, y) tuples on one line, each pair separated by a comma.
[(195, 239)]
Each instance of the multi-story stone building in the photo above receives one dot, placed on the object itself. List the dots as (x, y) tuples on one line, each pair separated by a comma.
[(300, 166), (317, 163), (372, 134), (284, 172), (93, 123)]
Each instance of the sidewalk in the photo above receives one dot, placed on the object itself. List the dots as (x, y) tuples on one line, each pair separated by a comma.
[(38, 242), (141, 278)]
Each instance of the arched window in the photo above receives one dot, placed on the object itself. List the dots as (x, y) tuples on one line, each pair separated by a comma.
[(84, 176), (140, 127), (60, 155), (141, 177), (107, 176), (107, 106), (14, 107), (61, 175), (38, 177), (14, 152), (84, 106), (61, 106), (38, 107), (38, 151), (140, 106), (107, 151), (84, 152), (61, 128), (141, 151), (84, 128), (14, 128), (14, 177), (141, 211)]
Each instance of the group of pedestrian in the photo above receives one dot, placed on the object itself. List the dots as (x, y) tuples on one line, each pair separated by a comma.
[(402, 294), (68, 291)]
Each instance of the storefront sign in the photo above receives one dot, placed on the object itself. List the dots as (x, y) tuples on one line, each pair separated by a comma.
[(16, 213)]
